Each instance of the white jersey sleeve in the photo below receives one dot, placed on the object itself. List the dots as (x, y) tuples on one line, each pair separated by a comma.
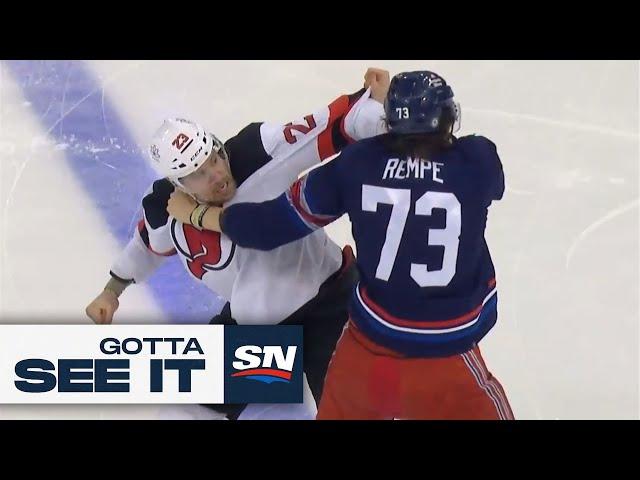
[(321, 135)]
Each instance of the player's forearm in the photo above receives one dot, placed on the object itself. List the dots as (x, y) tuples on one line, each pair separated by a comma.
[(136, 262), (209, 219), (262, 226)]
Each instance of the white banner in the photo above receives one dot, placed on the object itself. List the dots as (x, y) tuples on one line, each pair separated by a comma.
[(111, 364)]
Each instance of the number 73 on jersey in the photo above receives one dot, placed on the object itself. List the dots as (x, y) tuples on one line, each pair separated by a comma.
[(401, 208)]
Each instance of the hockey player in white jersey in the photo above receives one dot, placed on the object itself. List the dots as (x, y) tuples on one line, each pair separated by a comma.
[(306, 282)]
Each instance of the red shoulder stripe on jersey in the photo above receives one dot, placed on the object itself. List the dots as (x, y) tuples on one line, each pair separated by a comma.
[(338, 110), (144, 234)]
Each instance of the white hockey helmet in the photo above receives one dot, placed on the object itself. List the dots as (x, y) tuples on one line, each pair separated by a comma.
[(179, 147)]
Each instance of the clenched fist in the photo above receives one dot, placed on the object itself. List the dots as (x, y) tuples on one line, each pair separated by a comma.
[(103, 307), (378, 80)]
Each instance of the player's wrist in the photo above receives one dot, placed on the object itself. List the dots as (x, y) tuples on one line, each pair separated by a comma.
[(116, 286), (197, 215), (211, 219)]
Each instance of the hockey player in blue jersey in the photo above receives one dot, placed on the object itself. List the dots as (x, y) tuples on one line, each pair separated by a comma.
[(417, 198)]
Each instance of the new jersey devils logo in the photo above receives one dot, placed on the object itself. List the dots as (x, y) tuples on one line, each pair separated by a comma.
[(205, 250)]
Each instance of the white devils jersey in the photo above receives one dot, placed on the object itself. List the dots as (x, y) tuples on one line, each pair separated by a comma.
[(262, 287)]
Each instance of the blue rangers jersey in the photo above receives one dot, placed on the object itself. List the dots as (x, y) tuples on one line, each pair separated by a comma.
[(428, 284)]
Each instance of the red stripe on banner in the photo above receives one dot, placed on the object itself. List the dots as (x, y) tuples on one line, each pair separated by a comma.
[(264, 371)]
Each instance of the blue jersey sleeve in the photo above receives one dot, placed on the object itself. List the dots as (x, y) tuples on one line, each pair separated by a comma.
[(497, 190), (310, 203), (485, 154)]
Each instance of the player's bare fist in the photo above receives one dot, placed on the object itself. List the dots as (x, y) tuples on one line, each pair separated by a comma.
[(103, 307), (180, 206), (379, 80)]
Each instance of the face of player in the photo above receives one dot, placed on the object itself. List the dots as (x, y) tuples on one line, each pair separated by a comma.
[(212, 182)]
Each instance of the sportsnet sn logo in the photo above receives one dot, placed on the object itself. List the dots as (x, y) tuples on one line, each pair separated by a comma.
[(263, 363), (266, 364)]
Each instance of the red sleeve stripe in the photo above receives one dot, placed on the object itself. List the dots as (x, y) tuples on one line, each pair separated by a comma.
[(144, 235), (296, 198), (338, 110)]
